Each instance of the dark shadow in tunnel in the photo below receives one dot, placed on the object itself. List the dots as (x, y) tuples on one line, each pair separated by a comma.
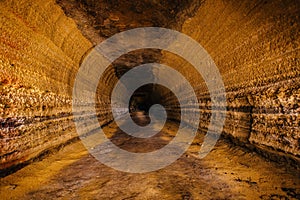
[(140, 103), (146, 96)]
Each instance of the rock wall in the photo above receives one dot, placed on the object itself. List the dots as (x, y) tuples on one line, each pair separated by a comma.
[(40, 53), (255, 45)]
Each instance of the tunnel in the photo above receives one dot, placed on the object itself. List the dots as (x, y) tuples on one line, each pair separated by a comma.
[(228, 131)]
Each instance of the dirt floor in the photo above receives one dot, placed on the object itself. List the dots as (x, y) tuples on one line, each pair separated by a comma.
[(228, 172)]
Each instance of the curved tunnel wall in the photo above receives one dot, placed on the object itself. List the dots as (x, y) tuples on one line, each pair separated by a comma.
[(40, 53), (255, 44)]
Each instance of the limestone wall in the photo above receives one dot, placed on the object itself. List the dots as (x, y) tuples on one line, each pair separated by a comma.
[(40, 53), (255, 45)]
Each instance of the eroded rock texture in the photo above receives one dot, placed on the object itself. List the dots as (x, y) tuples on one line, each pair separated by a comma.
[(254, 43), (40, 53)]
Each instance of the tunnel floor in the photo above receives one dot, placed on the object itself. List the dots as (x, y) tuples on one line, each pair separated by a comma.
[(228, 172)]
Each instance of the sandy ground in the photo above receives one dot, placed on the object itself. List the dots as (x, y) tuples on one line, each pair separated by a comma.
[(228, 172)]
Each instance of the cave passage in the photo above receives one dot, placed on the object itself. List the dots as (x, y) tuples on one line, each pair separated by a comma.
[(253, 43)]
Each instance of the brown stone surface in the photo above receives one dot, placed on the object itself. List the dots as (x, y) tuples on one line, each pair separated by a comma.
[(255, 45), (40, 53)]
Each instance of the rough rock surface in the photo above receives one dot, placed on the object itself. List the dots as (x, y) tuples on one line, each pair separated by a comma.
[(228, 172), (40, 53), (254, 43)]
